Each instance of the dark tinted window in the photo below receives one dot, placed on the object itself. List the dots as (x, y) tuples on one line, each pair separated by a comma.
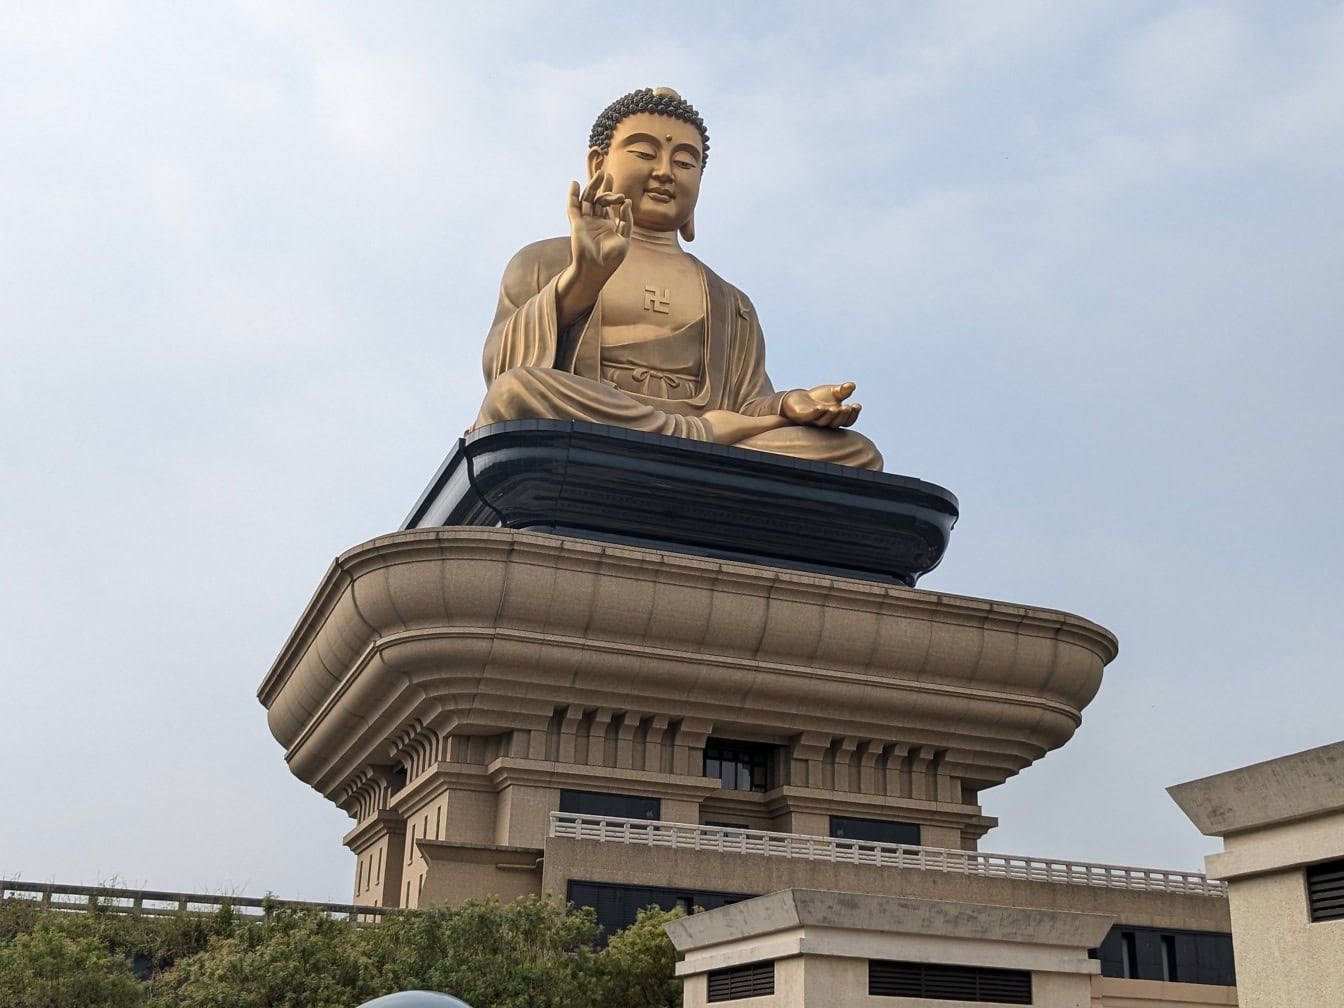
[(1143, 953), (740, 766), (875, 830), (599, 803), (618, 905)]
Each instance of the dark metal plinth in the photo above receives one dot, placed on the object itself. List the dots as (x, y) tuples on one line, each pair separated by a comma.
[(609, 483)]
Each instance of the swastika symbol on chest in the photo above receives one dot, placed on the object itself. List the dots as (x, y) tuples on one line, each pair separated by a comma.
[(656, 302)]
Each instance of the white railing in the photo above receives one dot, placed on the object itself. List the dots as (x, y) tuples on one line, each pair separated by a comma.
[(153, 903), (688, 836)]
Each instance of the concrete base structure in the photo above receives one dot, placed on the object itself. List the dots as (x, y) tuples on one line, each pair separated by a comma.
[(505, 713), (827, 948), (818, 948), (1282, 824), (453, 683)]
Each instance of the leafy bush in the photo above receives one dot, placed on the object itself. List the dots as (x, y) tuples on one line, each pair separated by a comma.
[(527, 954), (56, 966), (640, 963), (532, 953), (294, 960)]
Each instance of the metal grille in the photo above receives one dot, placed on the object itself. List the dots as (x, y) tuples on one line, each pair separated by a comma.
[(752, 980), (1325, 891), (948, 983)]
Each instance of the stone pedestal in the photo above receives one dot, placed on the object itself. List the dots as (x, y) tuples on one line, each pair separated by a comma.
[(450, 686)]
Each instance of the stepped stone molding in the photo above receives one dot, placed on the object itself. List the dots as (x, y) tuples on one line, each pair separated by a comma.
[(470, 637)]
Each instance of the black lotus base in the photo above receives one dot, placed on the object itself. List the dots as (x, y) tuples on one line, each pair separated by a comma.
[(609, 483)]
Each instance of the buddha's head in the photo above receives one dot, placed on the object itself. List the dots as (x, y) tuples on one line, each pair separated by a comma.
[(655, 146)]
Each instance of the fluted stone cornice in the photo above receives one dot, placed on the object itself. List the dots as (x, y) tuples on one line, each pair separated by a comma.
[(476, 631)]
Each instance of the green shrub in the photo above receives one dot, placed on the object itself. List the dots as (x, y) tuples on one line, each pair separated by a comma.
[(296, 959), (51, 967), (531, 953), (640, 963), (527, 954)]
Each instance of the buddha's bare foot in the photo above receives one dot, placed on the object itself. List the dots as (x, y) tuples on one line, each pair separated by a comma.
[(727, 427)]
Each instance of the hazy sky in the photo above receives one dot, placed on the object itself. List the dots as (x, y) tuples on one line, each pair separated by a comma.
[(1082, 259)]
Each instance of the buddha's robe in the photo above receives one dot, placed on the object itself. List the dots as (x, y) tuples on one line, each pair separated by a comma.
[(533, 370)]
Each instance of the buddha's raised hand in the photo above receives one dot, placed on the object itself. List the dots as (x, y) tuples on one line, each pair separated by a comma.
[(599, 224), (599, 238)]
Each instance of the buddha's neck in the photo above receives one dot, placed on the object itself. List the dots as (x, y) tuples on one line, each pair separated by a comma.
[(656, 241)]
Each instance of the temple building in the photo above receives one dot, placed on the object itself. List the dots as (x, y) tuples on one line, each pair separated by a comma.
[(630, 669)]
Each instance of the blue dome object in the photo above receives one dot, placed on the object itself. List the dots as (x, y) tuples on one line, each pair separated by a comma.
[(415, 999)]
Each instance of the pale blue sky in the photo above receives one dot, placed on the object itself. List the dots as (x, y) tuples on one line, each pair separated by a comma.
[(1082, 259)]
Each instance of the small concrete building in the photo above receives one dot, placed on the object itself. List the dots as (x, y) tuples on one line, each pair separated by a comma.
[(1282, 825), (803, 947)]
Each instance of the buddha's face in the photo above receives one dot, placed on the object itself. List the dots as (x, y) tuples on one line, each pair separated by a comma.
[(656, 162)]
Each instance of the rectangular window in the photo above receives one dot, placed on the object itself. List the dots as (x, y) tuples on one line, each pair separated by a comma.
[(1169, 970), (1129, 948), (1144, 953), (740, 766), (1325, 891), (618, 806), (874, 830), (735, 982), (942, 982), (618, 905)]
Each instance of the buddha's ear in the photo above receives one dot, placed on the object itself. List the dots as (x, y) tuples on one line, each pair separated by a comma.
[(688, 228), (595, 160)]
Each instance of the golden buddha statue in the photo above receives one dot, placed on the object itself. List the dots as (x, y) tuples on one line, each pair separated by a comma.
[(617, 324)]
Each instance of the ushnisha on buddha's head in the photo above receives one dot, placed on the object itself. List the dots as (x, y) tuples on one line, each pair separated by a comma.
[(654, 145)]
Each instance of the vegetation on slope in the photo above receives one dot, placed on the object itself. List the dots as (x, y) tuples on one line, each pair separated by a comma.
[(528, 954)]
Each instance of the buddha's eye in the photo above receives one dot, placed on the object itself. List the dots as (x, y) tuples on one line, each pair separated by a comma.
[(645, 155), (686, 165)]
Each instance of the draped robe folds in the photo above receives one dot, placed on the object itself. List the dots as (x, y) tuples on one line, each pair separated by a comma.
[(533, 370)]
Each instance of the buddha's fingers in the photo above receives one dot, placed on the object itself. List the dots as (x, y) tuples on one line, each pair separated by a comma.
[(590, 191), (612, 207)]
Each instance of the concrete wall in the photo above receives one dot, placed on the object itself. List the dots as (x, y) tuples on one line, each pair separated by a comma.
[(631, 864), (459, 872), (1276, 818), (1284, 960), (1113, 992)]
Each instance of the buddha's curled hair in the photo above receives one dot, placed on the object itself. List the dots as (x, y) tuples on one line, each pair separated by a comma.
[(658, 101)]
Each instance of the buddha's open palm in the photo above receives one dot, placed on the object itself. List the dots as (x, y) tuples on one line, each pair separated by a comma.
[(823, 406)]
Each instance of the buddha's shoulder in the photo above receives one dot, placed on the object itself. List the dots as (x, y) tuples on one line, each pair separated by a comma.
[(547, 252), (533, 266)]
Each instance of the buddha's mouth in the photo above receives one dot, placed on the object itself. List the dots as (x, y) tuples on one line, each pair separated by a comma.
[(660, 194)]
